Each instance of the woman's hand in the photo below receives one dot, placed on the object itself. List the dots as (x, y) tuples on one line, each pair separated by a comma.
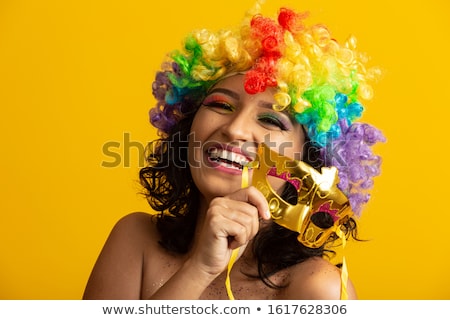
[(230, 222)]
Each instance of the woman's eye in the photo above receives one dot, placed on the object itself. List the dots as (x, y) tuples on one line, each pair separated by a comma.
[(272, 121), (220, 105)]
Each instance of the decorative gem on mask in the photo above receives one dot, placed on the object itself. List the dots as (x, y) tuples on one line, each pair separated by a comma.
[(286, 176), (326, 208), (319, 207)]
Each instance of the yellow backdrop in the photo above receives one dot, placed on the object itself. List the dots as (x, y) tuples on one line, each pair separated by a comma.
[(75, 88)]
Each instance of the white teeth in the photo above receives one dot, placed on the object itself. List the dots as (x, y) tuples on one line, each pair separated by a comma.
[(230, 156), (213, 153)]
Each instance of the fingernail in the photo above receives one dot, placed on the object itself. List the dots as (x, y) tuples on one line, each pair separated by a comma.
[(267, 213)]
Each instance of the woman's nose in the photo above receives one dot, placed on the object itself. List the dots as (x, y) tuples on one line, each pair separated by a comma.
[(239, 127)]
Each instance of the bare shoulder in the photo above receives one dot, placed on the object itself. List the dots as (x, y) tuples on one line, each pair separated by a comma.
[(316, 279), (117, 273), (134, 231), (138, 224)]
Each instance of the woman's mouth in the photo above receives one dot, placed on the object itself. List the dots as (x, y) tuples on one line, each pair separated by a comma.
[(227, 158)]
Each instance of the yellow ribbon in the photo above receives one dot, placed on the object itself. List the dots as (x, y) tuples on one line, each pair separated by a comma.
[(244, 181), (234, 255), (235, 252), (344, 271)]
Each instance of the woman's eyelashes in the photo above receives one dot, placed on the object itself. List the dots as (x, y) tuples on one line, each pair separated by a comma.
[(218, 103), (273, 120)]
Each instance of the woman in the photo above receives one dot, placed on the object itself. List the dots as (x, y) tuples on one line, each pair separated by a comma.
[(277, 82)]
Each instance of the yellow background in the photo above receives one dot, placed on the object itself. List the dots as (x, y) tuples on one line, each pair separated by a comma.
[(75, 75)]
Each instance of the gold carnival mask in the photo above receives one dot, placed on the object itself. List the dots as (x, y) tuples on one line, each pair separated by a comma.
[(315, 208), (300, 199)]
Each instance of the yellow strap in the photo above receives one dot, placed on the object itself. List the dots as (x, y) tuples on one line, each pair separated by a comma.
[(244, 181), (235, 252), (233, 258), (344, 271), (344, 278)]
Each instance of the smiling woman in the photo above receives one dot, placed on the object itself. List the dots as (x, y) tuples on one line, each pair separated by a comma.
[(274, 82), (75, 89)]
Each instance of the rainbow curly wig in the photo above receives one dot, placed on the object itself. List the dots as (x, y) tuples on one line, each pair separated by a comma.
[(319, 81)]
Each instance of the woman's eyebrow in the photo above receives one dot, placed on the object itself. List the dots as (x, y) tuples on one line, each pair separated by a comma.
[(226, 91), (265, 104)]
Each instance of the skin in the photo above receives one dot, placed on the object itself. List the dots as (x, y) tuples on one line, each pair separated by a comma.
[(132, 265)]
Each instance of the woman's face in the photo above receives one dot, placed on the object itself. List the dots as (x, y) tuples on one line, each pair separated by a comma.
[(226, 132)]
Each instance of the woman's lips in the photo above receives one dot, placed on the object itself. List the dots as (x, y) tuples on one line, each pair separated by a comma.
[(226, 158)]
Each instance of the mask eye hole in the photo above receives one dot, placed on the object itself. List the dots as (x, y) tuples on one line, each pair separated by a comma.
[(289, 194), (285, 186), (322, 220), (283, 189)]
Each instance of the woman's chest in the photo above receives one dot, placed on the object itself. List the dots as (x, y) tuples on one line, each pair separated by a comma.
[(243, 287), (240, 288)]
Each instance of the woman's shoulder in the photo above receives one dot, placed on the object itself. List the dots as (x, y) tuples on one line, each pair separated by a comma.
[(137, 227), (316, 279), (117, 273), (136, 220)]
